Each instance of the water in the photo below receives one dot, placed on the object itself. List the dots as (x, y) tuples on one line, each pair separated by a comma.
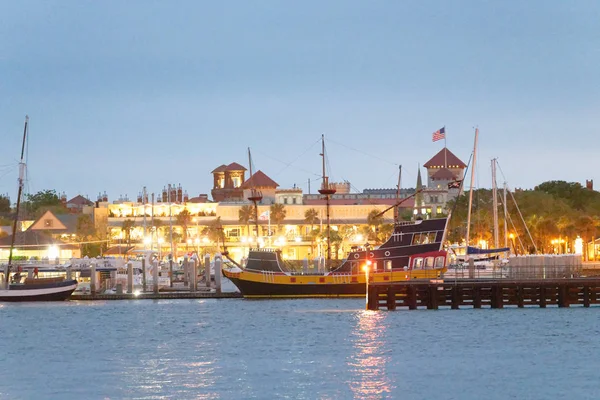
[(298, 349)]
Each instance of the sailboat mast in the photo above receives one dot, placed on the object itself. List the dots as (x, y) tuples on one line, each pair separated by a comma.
[(495, 204), (471, 194), (505, 219), (326, 191), (396, 211), (19, 194), (254, 197)]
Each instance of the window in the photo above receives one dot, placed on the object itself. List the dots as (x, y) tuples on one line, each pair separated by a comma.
[(237, 182), (294, 200), (235, 232), (418, 263), (429, 262), (285, 200), (438, 210), (388, 265), (424, 238), (48, 223), (439, 262)]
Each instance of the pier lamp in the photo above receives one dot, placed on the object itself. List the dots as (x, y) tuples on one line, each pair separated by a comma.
[(578, 245), (367, 268)]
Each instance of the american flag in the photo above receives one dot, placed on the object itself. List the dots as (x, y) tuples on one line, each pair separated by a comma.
[(439, 134), (264, 216)]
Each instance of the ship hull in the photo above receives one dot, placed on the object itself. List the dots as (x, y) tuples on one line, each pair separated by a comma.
[(250, 289)]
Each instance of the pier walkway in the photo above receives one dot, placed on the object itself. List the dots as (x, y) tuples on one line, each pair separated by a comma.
[(488, 293)]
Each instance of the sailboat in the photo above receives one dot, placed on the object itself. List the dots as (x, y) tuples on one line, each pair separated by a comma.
[(413, 251), (30, 289)]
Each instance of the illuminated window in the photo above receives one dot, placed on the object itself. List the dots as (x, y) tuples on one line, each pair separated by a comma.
[(48, 223), (388, 264)]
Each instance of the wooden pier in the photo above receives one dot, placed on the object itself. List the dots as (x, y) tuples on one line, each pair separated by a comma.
[(489, 293), (157, 296)]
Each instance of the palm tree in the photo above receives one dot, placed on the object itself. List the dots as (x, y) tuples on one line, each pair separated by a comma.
[(278, 213), (374, 221), (127, 227), (183, 219), (311, 217), (245, 215), (214, 231)]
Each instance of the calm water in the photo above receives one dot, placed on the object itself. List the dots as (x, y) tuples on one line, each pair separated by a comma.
[(298, 349)]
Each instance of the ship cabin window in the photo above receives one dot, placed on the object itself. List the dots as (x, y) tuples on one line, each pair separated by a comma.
[(388, 265), (417, 263), (439, 262), (375, 266), (354, 267), (429, 262), (424, 238)]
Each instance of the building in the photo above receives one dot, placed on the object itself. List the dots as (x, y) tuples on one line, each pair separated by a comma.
[(227, 182)]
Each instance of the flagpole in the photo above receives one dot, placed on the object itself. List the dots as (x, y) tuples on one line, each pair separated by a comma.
[(445, 150)]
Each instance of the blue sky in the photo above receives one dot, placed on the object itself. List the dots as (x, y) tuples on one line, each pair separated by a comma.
[(144, 93)]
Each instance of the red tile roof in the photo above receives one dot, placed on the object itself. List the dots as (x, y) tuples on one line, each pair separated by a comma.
[(235, 167), (79, 200), (259, 180), (410, 203), (220, 168), (445, 158), (443, 174)]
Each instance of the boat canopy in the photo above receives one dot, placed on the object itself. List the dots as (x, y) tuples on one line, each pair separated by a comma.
[(476, 250)]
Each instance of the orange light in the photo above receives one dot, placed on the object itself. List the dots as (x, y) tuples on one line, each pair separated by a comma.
[(369, 262)]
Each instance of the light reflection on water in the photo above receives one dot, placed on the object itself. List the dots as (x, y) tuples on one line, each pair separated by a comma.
[(368, 362), (304, 349)]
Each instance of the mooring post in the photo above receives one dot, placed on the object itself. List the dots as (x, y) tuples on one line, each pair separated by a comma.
[(194, 277), (542, 299), (456, 295), (372, 299), (476, 296), (586, 295), (391, 298), (93, 283), (563, 291), (129, 277), (171, 271), (144, 274), (520, 296), (218, 266), (155, 276), (207, 270), (432, 303), (186, 271), (411, 296)]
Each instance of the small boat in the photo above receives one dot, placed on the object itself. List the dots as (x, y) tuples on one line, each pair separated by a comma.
[(31, 288), (413, 251)]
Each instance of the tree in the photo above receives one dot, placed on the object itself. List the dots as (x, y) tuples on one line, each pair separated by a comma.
[(86, 231), (183, 219), (127, 227), (311, 217), (4, 204), (214, 232), (374, 221), (278, 213), (245, 215), (36, 204)]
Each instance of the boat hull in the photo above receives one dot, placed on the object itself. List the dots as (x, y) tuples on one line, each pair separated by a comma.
[(47, 292), (251, 289)]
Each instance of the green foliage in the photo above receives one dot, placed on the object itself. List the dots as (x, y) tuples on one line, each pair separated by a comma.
[(127, 227), (278, 214), (36, 204), (245, 215), (4, 204), (311, 217), (183, 219), (214, 231), (554, 209)]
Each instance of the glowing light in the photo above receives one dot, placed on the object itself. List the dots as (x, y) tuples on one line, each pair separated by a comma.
[(147, 240), (244, 239), (52, 252), (205, 240), (578, 245), (136, 293), (161, 240), (298, 239), (358, 238)]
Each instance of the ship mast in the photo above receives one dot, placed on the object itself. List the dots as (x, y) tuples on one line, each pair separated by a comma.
[(21, 184), (495, 204), (471, 195), (327, 192), (396, 211), (255, 196)]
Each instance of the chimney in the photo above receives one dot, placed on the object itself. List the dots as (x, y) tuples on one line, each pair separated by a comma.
[(589, 185)]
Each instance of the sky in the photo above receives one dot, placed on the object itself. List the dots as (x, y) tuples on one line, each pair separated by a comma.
[(123, 95)]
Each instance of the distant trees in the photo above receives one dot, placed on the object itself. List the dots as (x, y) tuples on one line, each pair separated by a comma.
[(4, 204), (183, 219), (36, 204), (245, 215), (552, 210)]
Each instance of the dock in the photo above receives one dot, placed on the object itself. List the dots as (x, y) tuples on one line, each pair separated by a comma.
[(170, 295), (484, 293)]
